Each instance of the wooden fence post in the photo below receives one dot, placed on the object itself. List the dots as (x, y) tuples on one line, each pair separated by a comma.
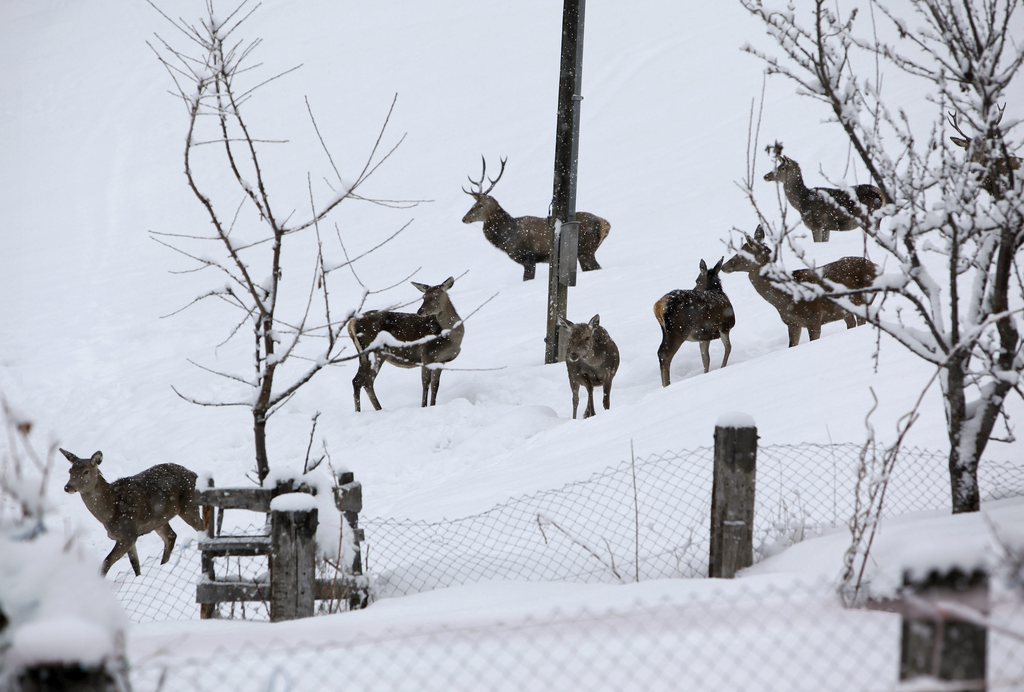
[(293, 522), (732, 496), (936, 643)]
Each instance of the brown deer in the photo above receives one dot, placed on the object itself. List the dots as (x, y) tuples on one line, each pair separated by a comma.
[(824, 209), (701, 314), (852, 272), (527, 239), (429, 338), (996, 175), (592, 359), (135, 505)]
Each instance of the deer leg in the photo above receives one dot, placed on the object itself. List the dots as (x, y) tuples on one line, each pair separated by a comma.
[(814, 332), (169, 537), (430, 383), (607, 393), (794, 334), (575, 388), (588, 263), (371, 376), (851, 320), (666, 352), (590, 399), (728, 347), (825, 233), (705, 355), (193, 517), (360, 379), (120, 549), (435, 384), (529, 271)]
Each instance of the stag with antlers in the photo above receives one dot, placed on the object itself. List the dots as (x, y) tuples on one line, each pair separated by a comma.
[(527, 239), (995, 168)]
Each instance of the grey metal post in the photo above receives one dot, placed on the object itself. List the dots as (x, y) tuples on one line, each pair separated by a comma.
[(732, 498), (565, 235)]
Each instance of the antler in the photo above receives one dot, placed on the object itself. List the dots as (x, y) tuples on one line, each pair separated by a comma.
[(774, 149), (952, 117), (479, 184)]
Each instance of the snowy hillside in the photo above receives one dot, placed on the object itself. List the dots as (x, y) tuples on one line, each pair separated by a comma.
[(92, 163)]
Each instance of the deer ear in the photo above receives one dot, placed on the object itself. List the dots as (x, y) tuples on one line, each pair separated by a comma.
[(718, 267), (595, 321), (703, 267), (562, 322), (448, 283), (421, 287), (96, 459), (959, 141), (759, 233), (68, 455)]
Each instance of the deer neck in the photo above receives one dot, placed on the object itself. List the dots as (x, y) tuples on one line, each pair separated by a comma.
[(499, 227), (793, 186), (773, 295), (100, 500)]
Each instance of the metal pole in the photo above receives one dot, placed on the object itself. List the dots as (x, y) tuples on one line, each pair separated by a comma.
[(564, 229)]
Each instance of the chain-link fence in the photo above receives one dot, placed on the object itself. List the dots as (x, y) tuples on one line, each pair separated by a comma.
[(643, 519), (743, 636)]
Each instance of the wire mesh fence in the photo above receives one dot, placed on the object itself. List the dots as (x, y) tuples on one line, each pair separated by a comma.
[(742, 636), (649, 518), (643, 519)]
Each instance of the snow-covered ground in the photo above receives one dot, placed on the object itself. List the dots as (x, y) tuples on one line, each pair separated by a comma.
[(92, 162)]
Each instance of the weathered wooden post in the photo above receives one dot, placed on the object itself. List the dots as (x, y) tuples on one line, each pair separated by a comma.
[(349, 500), (732, 495), (935, 642), (293, 522)]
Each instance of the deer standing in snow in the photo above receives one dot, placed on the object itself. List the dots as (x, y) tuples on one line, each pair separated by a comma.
[(429, 338), (810, 314), (701, 314), (824, 209), (135, 505), (527, 239), (592, 359)]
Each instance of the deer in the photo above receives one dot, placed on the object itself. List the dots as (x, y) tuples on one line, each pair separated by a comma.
[(810, 314), (428, 338), (591, 359), (824, 209), (527, 239), (996, 174), (133, 506), (700, 314)]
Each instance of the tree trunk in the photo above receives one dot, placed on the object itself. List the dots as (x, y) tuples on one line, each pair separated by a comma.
[(259, 428), (963, 458)]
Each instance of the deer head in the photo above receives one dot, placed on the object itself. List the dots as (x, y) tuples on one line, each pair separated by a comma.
[(84, 472), (480, 211), (751, 256), (435, 298), (581, 338), (708, 279), (998, 168)]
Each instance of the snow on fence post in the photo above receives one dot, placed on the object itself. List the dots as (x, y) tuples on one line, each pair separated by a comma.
[(293, 522), (934, 642), (732, 495)]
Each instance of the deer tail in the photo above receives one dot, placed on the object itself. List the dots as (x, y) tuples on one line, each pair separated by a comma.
[(354, 334), (659, 310), (604, 228)]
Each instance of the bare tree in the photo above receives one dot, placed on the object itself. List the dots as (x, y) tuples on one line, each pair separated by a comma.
[(954, 225), (213, 75)]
